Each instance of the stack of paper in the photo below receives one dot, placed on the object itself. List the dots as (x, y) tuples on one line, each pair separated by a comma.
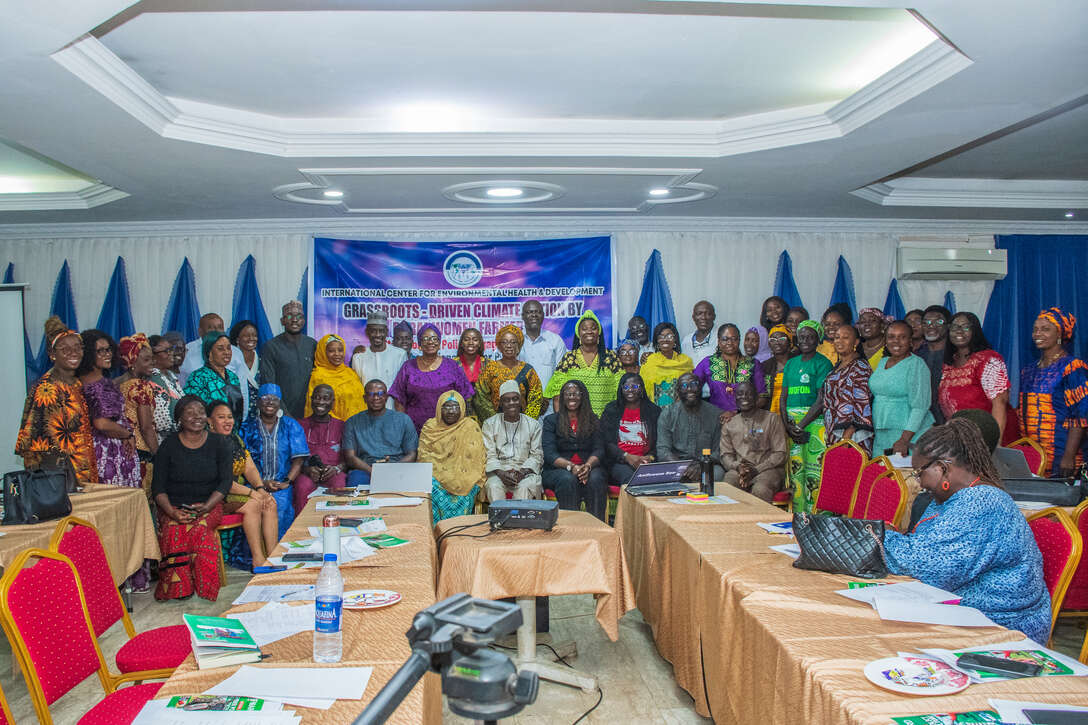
[(276, 593), (352, 549), (297, 685), (783, 527), (370, 525), (791, 550), (1025, 650), (904, 610), (275, 621), (366, 504), (166, 712), (909, 591)]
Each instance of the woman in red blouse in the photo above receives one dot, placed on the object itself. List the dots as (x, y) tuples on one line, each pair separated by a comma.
[(974, 375)]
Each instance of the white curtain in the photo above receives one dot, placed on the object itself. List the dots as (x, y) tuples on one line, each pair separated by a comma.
[(734, 270)]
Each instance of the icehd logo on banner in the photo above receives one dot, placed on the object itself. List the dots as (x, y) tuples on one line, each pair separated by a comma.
[(458, 285)]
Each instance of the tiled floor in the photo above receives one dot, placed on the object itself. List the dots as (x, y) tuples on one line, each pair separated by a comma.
[(638, 685)]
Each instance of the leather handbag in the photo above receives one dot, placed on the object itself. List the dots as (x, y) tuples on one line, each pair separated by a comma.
[(1054, 491), (840, 545), (31, 497)]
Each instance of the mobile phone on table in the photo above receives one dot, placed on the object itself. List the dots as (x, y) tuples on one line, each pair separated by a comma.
[(302, 556), (997, 665)]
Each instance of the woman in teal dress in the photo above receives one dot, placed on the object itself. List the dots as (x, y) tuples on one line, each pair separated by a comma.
[(802, 379), (901, 393), (214, 381)]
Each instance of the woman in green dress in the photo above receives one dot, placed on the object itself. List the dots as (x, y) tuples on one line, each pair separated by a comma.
[(589, 361), (802, 379)]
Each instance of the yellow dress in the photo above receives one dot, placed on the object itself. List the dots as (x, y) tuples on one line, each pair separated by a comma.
[(827, 349), (659, 375), (345, 384)]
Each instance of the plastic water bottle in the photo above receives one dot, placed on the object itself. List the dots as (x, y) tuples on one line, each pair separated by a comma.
[(328, 639)]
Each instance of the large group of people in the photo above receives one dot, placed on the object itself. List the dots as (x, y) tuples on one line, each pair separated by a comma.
[(217, 426)]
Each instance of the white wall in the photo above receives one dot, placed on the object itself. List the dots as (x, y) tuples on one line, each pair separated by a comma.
[(733, 269)]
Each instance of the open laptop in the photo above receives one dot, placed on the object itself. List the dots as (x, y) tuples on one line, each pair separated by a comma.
[(401, 478), (664, 478), (1010, 463)]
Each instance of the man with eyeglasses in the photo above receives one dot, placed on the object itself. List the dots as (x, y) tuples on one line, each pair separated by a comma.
[(288, 359), (935, 322), (689, 425), (377, 435), (381, 361)]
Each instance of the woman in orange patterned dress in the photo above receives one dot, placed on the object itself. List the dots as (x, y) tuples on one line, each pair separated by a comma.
[(56, 421)]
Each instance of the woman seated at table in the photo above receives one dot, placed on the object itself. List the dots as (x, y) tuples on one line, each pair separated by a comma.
[(574, 452), (248, 495), (324, 435), (192, 475), (452, 443), (279, 449), (663, 368), (972, 540), (629, 429)]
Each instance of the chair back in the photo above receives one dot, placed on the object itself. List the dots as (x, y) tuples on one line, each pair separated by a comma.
[(1033, 454), (1060, 544), (1076, 596), (868, 475), (79, 541), (43, 613), (839, 476), (5, 711), (887, 498)]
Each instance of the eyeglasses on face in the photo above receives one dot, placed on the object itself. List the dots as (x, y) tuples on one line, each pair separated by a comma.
[(688, 385), (103, 352), (919, 471), (960, 328), (628, 387), (429, 338), (939, 322), (294, 316), (376, 393), (161, 350)]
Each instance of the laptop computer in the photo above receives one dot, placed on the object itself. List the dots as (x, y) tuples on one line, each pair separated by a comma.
[(1010, 463), (664, 478), (400, 478)]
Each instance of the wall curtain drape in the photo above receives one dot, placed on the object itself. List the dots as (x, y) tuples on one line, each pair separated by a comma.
[(950, 302), (784, 285), (655, 301), (246, 303), (1044, 271), (893, 304), (32, 371), (115, 319), (62, 305), (843, 289)]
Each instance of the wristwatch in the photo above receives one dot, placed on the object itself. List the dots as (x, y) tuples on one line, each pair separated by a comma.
[(570, 467)]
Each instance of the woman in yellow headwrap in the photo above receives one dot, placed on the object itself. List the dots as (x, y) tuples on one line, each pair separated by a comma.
[(508, 342), (329, 369), (454, 446), (780, 340)]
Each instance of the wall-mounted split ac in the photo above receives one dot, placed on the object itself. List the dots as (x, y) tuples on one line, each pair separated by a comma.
[(948, 262)]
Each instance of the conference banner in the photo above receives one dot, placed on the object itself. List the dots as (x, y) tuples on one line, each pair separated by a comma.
[(458, 285)]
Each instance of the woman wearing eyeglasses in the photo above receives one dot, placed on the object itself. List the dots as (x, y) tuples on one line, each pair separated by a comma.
[(725, 368), (662, 369), (165, 361), (114, 441), (935, 322), (974, 374), (972, 540), (629, 428), (422, 380)]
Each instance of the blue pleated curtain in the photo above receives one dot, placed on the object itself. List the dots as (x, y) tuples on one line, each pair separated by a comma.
[(843, 291), (63, 305), (115, 319), (784, 285), (182, 311), (893, 305), (33, 372), (950, 302), (247, 303), (655, 301), (1044, 271), (304, 292)]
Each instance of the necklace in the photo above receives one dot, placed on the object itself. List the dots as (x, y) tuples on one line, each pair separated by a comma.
[(510, 438), (1047, 360)]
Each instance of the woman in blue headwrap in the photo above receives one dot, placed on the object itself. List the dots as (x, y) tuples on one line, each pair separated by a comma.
[(214, 381)]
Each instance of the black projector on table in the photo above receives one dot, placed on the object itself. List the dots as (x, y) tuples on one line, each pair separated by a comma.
[(523, 514)]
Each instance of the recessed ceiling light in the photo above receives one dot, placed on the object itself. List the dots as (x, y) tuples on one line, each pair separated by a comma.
[(659, 192), (334, 193), (505, 191), (1069, 215)]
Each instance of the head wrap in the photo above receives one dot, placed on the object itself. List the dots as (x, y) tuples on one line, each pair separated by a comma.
[(510, 386), (346, 386), (402, 326), (1064, 321), (783, 329), (269, 389), (628, 341), (456, 451), (816, 326), (764, 351), (887, 319), (208, 340), (428, 326), (513, 330), (55, 330), (130, 347)]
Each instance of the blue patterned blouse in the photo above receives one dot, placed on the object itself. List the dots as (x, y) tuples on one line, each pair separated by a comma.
[(978, 545)]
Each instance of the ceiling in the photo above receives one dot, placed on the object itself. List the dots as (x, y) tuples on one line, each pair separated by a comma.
[(253, 109)]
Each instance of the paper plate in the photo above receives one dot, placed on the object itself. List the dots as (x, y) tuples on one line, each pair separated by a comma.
[(916, 676), (370, 599)]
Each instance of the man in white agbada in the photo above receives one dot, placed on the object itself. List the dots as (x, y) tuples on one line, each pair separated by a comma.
[(515, 454), (381, 361)]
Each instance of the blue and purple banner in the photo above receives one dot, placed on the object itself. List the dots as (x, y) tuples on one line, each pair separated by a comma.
[(457, 285)]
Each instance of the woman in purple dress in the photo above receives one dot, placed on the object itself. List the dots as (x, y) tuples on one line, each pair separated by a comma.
[(114, 445), (421, 380)]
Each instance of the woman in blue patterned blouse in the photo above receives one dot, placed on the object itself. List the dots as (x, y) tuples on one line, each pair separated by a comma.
[(972, 540)]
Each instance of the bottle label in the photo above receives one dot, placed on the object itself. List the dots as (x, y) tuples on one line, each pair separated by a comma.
[(327, 619)]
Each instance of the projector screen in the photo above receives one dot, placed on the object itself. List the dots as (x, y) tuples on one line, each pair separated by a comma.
[(13, 380)]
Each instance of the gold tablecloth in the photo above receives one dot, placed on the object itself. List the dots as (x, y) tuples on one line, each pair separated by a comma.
[(762, 642), (581, 555), (121, 516), (371, 637)]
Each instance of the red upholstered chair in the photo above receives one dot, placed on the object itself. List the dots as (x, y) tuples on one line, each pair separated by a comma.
[(1033, 452), (44, 614), (227, 523), (1060, 544), (1076, 596), (839, 476), (868, 475), (160, 650), (783, 500), (5, 713), (887, 498)]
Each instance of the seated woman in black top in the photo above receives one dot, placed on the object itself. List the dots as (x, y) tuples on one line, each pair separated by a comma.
[(574, 451), (191, 476), (629, 428)]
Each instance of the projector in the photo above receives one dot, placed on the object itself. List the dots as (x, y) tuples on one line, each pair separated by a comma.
[(523, 514)]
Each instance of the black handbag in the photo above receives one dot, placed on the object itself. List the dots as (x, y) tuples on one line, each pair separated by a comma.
[(31, 497), (1054, 491), (840, 545)]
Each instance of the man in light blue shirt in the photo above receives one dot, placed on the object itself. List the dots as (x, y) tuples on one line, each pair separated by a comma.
[(543, 349)]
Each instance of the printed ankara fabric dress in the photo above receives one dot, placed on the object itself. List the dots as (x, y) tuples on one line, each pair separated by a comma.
[(273, 451), (208, 385), (802, 380), (601, 382), (116, 458), (848, 402), (659, 375), (493, 375), (418, 391), (721, 377), (1053, 400), (56, 421), (974, 385)]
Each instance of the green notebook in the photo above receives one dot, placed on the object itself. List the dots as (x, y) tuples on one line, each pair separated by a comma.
[(219, 641), (949, 718)]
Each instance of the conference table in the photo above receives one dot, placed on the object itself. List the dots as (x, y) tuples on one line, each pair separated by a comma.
[(120, 514), (373, 638), (755, 640)]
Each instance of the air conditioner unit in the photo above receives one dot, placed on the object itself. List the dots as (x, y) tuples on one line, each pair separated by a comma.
[(967, 263)]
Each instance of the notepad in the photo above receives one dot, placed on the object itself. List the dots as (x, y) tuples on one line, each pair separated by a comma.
[(291, 684), (276, 593), (275, 621), (905, 610), (219, 641)]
